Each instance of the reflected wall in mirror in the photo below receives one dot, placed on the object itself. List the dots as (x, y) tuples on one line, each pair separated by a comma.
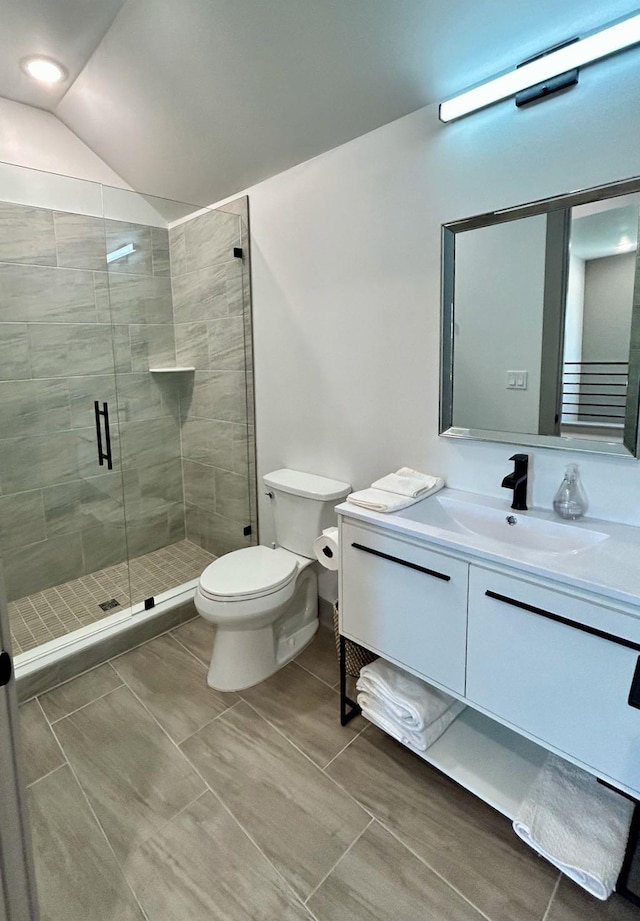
[(541, 323)]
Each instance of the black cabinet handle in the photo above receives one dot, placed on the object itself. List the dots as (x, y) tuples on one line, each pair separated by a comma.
[(593, 631), (395, 559), (102, 454)]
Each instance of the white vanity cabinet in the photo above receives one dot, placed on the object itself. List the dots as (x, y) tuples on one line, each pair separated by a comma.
[(558, 666), (542, 664), (405, 601)]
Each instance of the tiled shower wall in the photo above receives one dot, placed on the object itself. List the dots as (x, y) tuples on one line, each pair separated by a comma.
[(61, 515), (211, 301)]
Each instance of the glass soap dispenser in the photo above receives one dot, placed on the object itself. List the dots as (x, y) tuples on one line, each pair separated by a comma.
[(570, 501)]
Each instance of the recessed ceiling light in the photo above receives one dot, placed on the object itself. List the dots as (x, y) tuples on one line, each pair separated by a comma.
[(45, 70)]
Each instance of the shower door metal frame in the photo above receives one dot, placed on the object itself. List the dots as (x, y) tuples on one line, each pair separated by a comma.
[(18, 897)]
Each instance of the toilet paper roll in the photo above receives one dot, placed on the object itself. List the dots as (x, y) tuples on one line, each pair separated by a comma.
[(327, 549)]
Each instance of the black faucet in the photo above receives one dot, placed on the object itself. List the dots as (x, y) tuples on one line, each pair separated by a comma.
[(517, 481)]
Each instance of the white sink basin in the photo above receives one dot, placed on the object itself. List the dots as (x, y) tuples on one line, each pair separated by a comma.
[(518, 529)]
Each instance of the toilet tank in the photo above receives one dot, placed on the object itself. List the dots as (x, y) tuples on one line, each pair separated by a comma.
[(303, 505)]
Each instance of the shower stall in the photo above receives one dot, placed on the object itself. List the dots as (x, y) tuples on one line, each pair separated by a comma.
[(127, 458)]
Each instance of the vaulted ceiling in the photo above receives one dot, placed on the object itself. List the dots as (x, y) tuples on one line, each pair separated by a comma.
[(198, 99)]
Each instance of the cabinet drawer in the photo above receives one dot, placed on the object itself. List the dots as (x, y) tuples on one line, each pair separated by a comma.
[(545, 662), (405, 602)]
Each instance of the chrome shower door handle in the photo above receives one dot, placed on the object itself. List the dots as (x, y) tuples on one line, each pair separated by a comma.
[(102, 454)]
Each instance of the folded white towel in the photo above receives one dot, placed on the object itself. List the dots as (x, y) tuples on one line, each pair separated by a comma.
[(412, 702), (379, 501), (579, 825), (375, 711), (408, 482)]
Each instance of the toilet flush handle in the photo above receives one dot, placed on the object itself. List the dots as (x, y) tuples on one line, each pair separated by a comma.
[(270, 494)]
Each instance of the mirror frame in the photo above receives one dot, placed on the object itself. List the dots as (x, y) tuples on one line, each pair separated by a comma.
[(530, 209)]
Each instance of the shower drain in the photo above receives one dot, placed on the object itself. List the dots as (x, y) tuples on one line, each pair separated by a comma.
[(107, 605)]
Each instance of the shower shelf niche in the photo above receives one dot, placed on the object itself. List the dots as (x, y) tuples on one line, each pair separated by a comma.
[(171, 370)]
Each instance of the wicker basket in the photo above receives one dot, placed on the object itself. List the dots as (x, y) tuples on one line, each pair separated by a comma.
[(355, 656)]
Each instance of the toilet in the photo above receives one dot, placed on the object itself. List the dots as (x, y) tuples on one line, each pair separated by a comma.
[(263, 600)]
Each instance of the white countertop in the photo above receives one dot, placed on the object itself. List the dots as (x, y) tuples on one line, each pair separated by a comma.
[(610, 567)]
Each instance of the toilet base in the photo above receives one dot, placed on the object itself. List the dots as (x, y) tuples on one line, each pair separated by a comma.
[(242, 658)]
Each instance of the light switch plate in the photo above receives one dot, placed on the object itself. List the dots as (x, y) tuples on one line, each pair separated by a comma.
[(517, 380)]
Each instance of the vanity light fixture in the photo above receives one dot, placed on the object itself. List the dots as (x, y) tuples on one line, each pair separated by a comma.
[(541, 71), (44, 70)]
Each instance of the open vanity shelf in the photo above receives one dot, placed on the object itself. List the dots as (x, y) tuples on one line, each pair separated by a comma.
[(495, 763)]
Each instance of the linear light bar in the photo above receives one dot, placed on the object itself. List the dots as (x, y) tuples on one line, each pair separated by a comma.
[(592, 48), (125, 250)]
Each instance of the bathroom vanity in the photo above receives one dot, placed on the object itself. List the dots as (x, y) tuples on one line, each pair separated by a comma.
[(534, 623)]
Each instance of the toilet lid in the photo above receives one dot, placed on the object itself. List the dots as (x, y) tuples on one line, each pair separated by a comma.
[(248, 573)]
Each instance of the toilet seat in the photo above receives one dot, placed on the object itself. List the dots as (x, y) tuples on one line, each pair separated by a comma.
[(248, 573)]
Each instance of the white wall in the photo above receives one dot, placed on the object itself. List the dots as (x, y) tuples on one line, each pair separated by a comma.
[(608, 300), (574, 315), (499, 307), (346, 275)]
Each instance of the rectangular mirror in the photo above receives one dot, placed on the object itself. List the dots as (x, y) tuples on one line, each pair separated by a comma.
[(541, 323)]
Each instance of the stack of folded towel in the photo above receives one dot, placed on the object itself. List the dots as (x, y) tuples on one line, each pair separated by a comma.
[(410, 710), (578, 824), (397, 490)]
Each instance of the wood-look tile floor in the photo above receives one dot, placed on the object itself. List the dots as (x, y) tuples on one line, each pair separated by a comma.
[(154, 797)]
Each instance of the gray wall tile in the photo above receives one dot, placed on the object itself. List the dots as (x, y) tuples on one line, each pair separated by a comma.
[(84, 446), (226, 344), (200, 485), (80, 241), (22, 519), (147, 530), (213, 532), (38, 566), (121, 233), (139, 398), (162, 481), (149, 442), (103, 545), (160, 251), (220, 395), (192, 344), (34, 407), (236, 284), (177, 525), (138, 299), (38, 294), (122, 348), (101, 297), (26, 235), (28, 462), (14, 352), (200, 295), (210, 239), (232, 496), (209, 442), (239, 206), (62, 508), (83, 504), (84, 390), (177, 250), (57, 350), (242, 447), (152, 347)]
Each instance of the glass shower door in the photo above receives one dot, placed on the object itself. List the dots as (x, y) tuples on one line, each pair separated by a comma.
[(62, 525), (180, 304)]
